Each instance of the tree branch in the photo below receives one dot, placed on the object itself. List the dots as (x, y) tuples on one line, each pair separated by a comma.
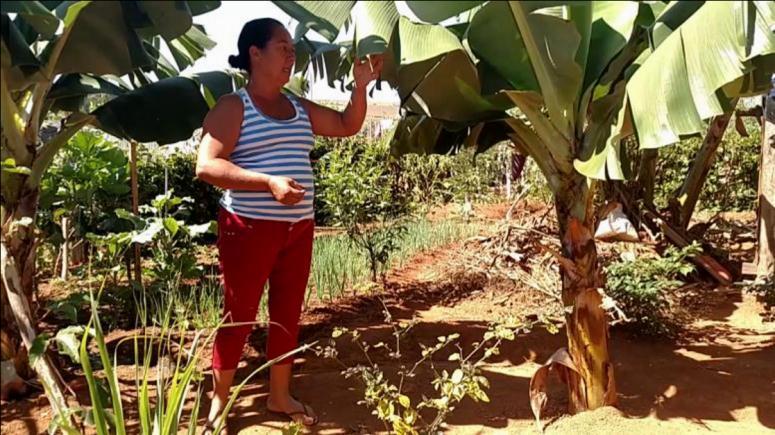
[(700, 167)]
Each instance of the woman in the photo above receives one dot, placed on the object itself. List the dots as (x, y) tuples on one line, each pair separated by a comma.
[(256, 145)]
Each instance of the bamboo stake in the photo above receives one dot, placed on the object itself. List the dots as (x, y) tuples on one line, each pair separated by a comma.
[(65, 259), (135, 207)]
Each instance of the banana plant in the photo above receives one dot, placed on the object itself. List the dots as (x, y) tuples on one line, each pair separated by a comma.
[(565, 82), (54, 57)]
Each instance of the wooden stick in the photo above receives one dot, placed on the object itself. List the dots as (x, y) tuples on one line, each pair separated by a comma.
[(135, 207)]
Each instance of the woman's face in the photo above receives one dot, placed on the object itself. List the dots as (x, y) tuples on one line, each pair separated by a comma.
[(275, 61)]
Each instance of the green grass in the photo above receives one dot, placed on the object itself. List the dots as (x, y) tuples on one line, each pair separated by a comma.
[(423, 235), (338, 266)]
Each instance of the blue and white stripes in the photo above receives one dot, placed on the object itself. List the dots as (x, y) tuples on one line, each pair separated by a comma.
[(274, 147)]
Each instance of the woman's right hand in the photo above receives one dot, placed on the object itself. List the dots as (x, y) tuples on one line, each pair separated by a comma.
[(286, 190)]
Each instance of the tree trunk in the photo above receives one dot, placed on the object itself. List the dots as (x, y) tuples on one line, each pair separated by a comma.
[(647, 176), (765, 264), (587, 324), (19, 240), (17, 287), (698, 171)]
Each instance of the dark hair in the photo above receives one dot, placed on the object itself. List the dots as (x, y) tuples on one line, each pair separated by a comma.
[(256, 32)]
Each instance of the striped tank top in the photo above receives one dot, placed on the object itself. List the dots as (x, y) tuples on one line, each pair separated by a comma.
[(274, 147)]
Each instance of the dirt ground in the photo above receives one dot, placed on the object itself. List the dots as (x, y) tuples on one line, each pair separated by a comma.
[(718, 376)]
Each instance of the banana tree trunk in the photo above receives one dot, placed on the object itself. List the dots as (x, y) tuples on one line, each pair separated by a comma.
[(17, 270), (592, 386), (19, 242)]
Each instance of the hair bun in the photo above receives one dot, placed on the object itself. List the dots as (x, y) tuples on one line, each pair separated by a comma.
[(236, 61)]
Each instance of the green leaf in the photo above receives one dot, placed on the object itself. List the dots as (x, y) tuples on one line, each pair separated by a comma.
[(80, 85), (166, 111), (199, 7), (68, 341), (171, 225), (98, 404), (436, 12), (117, 51), (601, 142), (35, 14), (421, 42), (148, 234), (436, 76), (324, 58), (404, 401), (508, 57), (189, 47), (420, 134), (481, 395), (198, 230), (670, 18), (39, 346), (168, 19), (552, 43), (457, 376), (298, 85), (325, 17), (374, 25), (677, 88), (122, 27), (20, 65), (70, 307), (137, 221), (530, 104), (162, 66), (612, 26)]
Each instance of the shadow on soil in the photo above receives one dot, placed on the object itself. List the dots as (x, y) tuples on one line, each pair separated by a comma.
[(707, 379)]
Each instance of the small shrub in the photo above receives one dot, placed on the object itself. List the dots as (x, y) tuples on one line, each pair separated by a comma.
[(86, 182), (162, 229), (354, 189), (640, 288), (439, 179), (455, 377)]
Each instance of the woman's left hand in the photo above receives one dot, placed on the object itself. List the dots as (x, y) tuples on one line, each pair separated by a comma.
[(367, 70)]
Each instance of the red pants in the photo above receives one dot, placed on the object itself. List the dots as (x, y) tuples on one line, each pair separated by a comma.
[(252, 251)]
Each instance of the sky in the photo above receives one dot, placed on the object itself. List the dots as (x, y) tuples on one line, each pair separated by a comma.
[(223, 26)]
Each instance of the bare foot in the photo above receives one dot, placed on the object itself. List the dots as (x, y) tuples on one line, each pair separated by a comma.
[(293, 409)]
